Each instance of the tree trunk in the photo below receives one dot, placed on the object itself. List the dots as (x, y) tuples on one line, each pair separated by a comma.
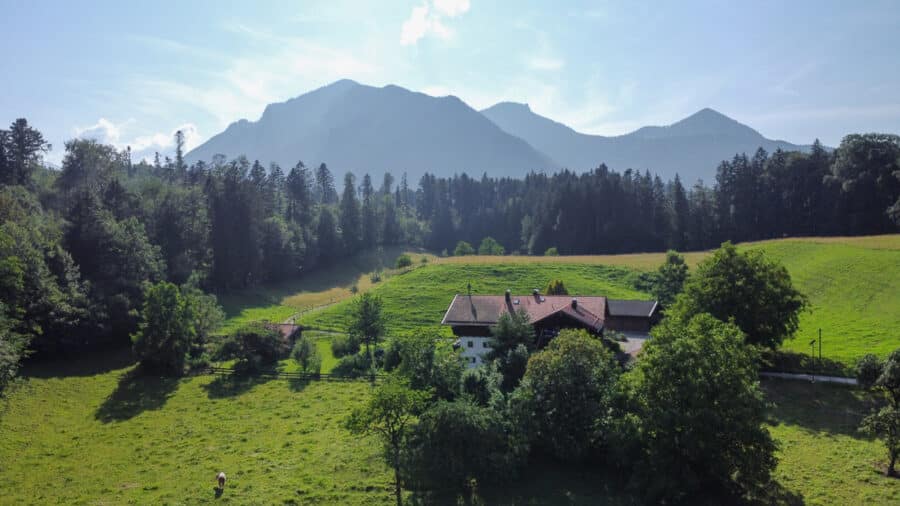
[(397, 491), (890, 468), (371, 363)]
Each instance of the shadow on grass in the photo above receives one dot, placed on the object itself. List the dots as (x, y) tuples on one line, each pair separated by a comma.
[(555, 485), (299, 384), (80, 364), (791, 361), (232, 385), (136, 392), (343, 274), (819, 407)]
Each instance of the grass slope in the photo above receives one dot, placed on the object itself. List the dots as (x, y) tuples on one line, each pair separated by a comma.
[(99, 439), (91, 433), (854, 295), (853, 285), (822, 455), (320, 288), (417, 300)]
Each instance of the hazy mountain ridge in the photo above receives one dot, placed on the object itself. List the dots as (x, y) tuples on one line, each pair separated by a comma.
[(362, 128), (691, 147), (355, 127)]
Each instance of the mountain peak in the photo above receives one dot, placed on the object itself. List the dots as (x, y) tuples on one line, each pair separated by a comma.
[(342, 83), (509, 106)]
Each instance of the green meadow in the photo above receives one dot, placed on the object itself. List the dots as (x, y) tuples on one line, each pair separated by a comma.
[(853, 288), (90, 431), (93, 433)]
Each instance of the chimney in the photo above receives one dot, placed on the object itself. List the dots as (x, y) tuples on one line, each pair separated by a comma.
[(574, 303), (508, 296)]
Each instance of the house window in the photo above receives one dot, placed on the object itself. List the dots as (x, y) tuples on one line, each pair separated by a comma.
[(471, 344), (484, 344), (472, 359)]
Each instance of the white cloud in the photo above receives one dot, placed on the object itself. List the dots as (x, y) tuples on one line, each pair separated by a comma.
[(246, 84), (104, 131), (452, 8), (428, 19), (142, 146)]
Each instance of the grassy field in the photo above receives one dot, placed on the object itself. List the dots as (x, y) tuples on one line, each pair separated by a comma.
[(822, 456), (91, 433), (323, 287), (417, 300), (853, 285)]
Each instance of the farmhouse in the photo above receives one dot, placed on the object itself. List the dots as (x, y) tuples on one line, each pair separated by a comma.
[(472, 316)]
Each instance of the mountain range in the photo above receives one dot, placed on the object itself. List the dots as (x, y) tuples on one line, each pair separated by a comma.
[(354, 127)]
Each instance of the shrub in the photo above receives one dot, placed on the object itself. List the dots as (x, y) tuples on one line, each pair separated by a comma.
[(462, 249), (490, 246), (354, 288), (352, 366), (375, 277), (557, 287), (344, 345), (255, 346), (551, 252), (404, 261), (868, 369), (424, 260), (166, 331), (306, 354)]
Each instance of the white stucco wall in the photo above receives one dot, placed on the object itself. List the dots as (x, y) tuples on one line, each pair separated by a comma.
[(474, 350)]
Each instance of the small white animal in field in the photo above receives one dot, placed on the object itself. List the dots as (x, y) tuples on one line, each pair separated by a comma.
[(221, 478)]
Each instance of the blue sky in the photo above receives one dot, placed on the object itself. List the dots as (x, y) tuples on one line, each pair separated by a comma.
[(131, 73)]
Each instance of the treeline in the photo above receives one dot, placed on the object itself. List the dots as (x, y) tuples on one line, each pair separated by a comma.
[(79, 244), (853, 190)]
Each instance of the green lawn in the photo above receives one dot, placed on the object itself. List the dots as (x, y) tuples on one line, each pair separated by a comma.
[(91, 433), (325, 286), (854, 295), (109, 438), (822, 455), (417, 300)]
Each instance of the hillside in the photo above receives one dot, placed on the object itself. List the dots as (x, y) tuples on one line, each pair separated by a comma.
[(826, 270), (350, 126), (691, 147)]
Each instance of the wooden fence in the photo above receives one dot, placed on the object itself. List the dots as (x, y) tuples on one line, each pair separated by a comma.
[(297, 376)]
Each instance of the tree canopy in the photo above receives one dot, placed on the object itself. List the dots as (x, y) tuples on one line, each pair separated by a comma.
[(750, 289), (701, 411)]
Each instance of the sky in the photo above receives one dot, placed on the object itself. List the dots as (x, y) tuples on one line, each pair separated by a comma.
[(132, 73)]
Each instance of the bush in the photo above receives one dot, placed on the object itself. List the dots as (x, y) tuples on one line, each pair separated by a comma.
[(166, 331), (255, 346), (456, 443), (868, 370), (375, 277), (490, 246), (404, 261), (344, 345), (354, 288), (352, 366), (306, 354), (551, 252), (462, 249), (424, 260), (557, 287)]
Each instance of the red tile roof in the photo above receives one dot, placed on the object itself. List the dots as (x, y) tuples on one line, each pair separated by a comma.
[(481, 310)]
